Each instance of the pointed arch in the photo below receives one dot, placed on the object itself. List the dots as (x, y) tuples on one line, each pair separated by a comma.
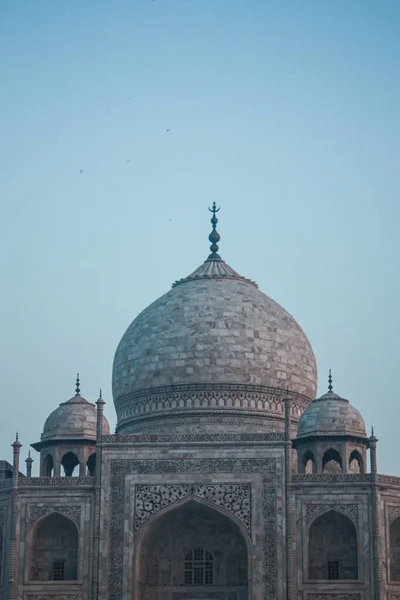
[(356, 463), (394, 542), (91, 464), (48, 466), (186, 536), (69, 461), (332, 461), (332, 547), (1, 553), (54, 549), (308, 463)]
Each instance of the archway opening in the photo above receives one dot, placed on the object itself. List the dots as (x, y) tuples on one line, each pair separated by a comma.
[(69, 462), (395, 550), (308, 463), (54, 550), (356, 464), (192, 550), (332, 461), (91, 464), (48, 466), (332, 547)]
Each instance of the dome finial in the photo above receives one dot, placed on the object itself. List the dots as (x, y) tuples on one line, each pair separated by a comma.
[(330, 385), (78, 383), (214, 236)]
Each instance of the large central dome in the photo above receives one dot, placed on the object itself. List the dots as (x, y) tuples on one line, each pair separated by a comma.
[(213, 354)]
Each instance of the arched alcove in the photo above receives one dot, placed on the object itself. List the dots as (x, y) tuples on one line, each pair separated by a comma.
[(69, 461), (48, 466), (91, 464), (332, 547), (54, 549), (308, 463), (395, 550), (1, 554), (187, 539), (356, 463), (332, 461)]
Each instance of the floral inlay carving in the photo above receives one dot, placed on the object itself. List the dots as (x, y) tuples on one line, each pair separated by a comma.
[(315, 510), (235, 498), (393, 513), (333, 596), (37, 512)]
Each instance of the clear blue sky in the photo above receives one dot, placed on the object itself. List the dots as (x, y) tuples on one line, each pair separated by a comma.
[(286, 112)]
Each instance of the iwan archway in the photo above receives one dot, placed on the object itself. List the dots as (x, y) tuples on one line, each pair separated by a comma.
[(191, 552)]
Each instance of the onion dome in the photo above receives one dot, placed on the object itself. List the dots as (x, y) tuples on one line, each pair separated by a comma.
[(212, 351), (331, 415), (74, 419)]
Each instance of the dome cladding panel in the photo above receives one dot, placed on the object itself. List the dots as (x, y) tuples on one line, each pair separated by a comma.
[(214, 331), (73, 420), (331, 415)]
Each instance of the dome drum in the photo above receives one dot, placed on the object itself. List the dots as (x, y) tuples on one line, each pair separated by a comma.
[(206, 406), (213, 330)]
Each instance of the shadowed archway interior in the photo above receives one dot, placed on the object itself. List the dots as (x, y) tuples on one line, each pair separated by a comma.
[(192, 550)]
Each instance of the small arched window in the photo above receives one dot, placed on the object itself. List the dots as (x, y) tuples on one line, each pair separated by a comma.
[(355, 462), (69, 462), (48, 466), (332, 461), (308, 463), (91, 464), (199, 567)]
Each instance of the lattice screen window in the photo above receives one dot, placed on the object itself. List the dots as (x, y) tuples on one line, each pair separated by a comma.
[(333, 569), (199, 567), (58, 571)]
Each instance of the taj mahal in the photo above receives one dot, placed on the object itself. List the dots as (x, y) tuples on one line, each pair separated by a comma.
[(227, 478)]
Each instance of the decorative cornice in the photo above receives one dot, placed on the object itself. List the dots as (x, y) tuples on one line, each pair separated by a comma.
[(194, 400), (54, 482), (201, 438)]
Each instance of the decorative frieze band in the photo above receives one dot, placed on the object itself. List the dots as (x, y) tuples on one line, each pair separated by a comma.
[(207, 396), (38, 512), (51, 597), (56, 482), (234, 498), (185, 438), (333, 596), (315, 510)]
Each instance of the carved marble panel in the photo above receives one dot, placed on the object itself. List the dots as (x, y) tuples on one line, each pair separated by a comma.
[(120, 468), (234, 498), (393, 513), (51, 597), (315, 510), (37, 512), (334, 596)]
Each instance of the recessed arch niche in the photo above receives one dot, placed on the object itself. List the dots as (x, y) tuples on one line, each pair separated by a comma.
[(213, 541)]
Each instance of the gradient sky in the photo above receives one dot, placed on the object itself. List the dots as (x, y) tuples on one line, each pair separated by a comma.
[(285, 112)]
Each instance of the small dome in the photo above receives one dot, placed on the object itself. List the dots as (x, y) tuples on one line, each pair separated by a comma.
[(331, 415), (213, 344), (74, 419)]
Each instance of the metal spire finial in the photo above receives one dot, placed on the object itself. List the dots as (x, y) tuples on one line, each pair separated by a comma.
[(330, 386), (78, 383), (16, 437), (214, 236)]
